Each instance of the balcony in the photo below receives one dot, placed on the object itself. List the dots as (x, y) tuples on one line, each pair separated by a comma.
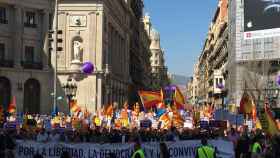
[(30, 25), (3, 21), (32, 65), (6, 63)]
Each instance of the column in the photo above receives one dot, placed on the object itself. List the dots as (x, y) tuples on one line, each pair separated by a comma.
[(99, 93), (18, 41), (45, 55)]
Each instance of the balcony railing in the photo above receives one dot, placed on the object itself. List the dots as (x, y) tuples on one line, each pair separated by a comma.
[(30, 25), (6, 63), (32, 65), (3, 21)]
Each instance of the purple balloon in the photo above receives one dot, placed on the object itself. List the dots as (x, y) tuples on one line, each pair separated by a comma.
[(167, 88), (220, 86), (173, 88), (87, 68), (278, 80)]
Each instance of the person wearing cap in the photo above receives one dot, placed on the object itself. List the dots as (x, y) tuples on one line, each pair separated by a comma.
[(139, 152), (205, 150)]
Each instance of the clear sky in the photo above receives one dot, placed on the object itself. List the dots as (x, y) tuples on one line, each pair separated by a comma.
[(183, 26)]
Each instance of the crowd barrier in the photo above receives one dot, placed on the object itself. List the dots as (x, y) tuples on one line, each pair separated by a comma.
[(178, 149)]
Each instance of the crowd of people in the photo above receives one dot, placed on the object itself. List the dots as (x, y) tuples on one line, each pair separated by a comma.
[(125, 125), (254, 144)]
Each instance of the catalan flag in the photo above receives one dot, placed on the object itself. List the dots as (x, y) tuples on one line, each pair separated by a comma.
[(150, 99), (246, 104), (74, 108), (12, 107), (179, 99), (165, 121)]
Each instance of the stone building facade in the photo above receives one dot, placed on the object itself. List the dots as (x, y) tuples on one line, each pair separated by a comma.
[(25, 72), (213, 59), (158, 68), (109, 34), (101, 28), (139, 67)]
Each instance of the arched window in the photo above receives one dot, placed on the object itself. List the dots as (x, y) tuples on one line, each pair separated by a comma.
[(5, 92), (32, 92)]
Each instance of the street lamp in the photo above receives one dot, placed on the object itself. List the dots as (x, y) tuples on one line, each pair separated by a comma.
[(70, 89)]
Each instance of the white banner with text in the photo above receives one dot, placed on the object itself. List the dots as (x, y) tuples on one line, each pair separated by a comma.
[(179, 149)]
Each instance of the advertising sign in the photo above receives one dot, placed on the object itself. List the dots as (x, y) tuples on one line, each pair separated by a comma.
[(261, 18)]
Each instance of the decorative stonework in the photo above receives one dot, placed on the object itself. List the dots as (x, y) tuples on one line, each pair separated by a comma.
[(78, 21)]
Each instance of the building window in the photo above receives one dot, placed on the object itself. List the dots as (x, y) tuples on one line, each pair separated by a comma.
[(3, 16), (268, 40), (29, 54), (220, 81), (257, 44), (30, 19), (2, 51)]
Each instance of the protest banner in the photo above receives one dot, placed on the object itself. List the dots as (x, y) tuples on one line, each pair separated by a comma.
[(179, 149)]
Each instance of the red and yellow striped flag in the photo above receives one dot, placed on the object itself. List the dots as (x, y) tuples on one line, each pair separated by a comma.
[(74, 108), (178, 120), (179, 99), (165, 121), (108, 110), (150, 99), (246, 104), (12, 106)]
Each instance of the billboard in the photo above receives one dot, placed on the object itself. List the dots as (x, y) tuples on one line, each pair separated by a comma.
[(261, 18)]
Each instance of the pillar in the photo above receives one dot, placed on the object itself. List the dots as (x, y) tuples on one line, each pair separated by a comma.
[(45, 29), (18, 27)]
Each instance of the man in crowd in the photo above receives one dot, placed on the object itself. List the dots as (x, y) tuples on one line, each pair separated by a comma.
[(205, 151), (139, 152)]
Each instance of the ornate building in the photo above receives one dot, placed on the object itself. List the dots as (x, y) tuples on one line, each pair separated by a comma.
[(159, 70), (213, 59), (139, 51), (25, 71), (109, 34), (96, 32)]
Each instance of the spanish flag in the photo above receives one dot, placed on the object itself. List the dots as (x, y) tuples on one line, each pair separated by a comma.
[(12, 107), (271, 125), (74, 108), (150, 99), (246, 104), (179, 99)]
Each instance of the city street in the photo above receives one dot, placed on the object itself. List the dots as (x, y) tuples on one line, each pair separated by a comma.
[(139, 79)]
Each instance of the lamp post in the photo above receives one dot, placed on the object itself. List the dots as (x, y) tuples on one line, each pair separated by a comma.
[(70, 89)]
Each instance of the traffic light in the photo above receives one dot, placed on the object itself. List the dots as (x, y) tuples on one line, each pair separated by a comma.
[(59, 40)]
